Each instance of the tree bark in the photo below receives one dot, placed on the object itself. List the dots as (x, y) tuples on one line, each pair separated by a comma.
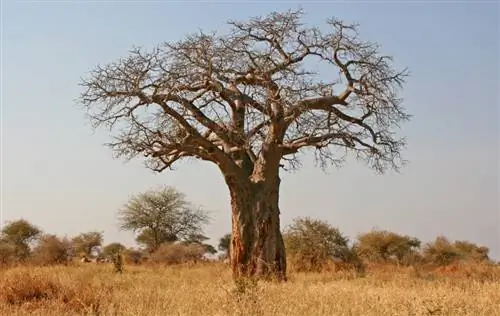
[(257, 247)]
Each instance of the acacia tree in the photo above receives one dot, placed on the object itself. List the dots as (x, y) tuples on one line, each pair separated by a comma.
[(314, 243), (384, 246), (17, 237), (225, 244), (250, 101), (112, 249), (161, 216), (87, 244)]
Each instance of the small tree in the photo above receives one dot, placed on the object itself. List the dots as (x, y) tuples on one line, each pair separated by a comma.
[(162, 216), (176, 253), (87, 244), (8, 253), (250, 101), (440, 252), (471, 251), (200, 239), (112, 249), (385, 246), (133, 256), (312, 244), (53, 250), (209, 249), (225, 244), (18, 236)]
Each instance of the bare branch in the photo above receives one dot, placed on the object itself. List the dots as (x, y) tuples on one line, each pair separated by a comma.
[(248, 99)]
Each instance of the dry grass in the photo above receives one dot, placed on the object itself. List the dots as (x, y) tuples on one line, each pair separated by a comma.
[(208, 290)]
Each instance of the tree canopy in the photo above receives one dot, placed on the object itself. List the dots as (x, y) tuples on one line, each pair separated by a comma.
[(87, 244), (226, 98), (163, 215), (18, 236), (383, 246), (225, 243)]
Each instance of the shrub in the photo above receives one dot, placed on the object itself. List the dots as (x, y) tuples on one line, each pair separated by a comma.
[(472, 252), (111, 250), (382, 246), (176, 253), (18, 237), (133, 256), (87, 244), (225, 245), (53, 250), (440, 252), (7, 253), (312, 245)]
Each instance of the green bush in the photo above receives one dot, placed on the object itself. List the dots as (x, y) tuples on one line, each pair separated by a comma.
[(382, 246), (313, 245)]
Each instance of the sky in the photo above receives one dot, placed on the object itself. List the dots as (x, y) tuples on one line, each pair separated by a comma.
[(57, 174)]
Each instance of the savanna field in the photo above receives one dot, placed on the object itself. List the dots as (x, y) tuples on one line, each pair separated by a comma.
[(208, 289)]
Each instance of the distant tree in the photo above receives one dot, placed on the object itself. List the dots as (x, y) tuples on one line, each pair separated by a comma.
[(53, 250), (440, 252), (8, 253), (225, 244), (112, 249), (19, 236), (385, 246), (87, 244), (209, 249), (313, 244), (251, 101), (471, 251), (196, 238), (161, 216), (133, 256), (199, 239), (444, 252), (150, 240), (176, 253)]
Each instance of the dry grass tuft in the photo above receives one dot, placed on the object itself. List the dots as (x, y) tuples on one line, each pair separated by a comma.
[(35, 289)]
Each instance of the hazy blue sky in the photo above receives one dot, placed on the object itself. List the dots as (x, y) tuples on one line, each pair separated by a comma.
[(58, 175)]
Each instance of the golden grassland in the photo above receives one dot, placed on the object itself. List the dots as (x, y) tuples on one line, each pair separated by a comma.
[(207, 289)]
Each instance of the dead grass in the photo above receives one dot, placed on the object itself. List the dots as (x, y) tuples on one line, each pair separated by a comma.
[(208, 290)]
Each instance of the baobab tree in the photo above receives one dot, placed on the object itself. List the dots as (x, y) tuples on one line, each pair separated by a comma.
[(250, 101)]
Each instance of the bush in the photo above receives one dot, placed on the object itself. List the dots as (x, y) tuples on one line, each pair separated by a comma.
[(472, 252), (382, 246), (87, 244), (176, 253), (111, 250), (17, 238), (52, 250), (440, 252), (7, 253), (313, 245), (133, 256)]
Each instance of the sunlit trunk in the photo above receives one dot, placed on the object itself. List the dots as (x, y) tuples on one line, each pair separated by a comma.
[(257, 247)]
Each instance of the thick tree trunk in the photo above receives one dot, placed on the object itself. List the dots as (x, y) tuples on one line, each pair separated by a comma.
[(257, 247)]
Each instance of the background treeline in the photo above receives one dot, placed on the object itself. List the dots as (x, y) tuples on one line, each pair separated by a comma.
[(169, 230)]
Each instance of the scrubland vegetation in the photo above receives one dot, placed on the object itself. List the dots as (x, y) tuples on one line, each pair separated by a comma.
[(380, 273), (207, 289)]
